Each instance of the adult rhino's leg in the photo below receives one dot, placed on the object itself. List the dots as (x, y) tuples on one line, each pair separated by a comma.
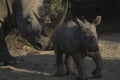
[(69, 65), (5, 57), (96, 56), (78, 59)]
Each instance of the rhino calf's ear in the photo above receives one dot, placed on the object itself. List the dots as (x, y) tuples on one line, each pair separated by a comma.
[(97, 21)]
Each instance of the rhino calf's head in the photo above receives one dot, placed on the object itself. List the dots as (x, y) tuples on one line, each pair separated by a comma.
[(89, 33)]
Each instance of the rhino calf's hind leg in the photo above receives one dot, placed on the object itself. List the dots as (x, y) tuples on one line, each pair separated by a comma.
[(97, 72), (69, 65), (5, 57), (78, 59)]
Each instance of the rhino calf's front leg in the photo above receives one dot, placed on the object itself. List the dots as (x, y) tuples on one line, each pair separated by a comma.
[(97, 72), (60, 65)]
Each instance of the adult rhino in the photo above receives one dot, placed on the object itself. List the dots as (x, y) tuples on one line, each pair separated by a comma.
[(29, 17), (21, 14), (77, 40)]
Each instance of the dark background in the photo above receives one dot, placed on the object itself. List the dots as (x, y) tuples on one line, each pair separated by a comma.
[(89, 9)]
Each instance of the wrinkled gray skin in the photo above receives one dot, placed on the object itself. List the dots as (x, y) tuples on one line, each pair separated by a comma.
[(28, 16), (77, 40)]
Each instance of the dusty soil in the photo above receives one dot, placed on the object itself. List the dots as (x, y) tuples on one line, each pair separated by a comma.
[(40, 65)]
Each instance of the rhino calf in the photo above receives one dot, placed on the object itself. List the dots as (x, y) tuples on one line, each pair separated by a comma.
[(77, 40)]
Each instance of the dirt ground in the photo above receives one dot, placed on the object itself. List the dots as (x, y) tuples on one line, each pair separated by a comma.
[(40, 65)]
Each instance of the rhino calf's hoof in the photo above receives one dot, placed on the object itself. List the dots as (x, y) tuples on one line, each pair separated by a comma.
[(60, 73), (81, 79), (70, 73), (96, 74)]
